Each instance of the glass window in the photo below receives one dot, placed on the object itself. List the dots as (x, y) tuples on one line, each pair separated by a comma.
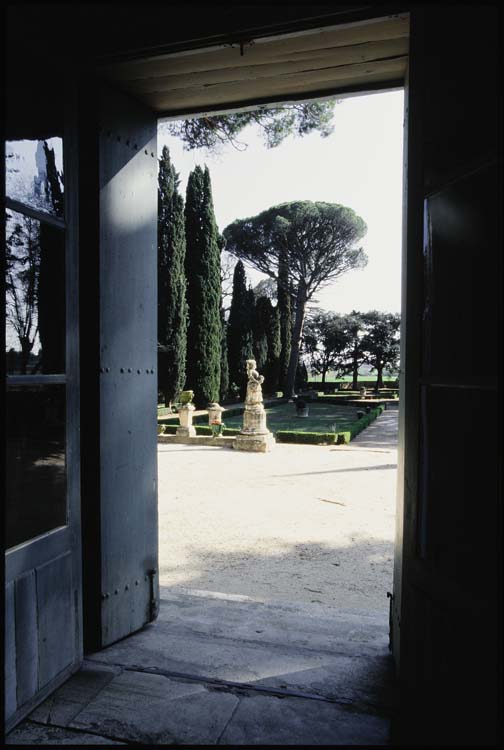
[(36, 477), (35, 296), (35, 301), (34, 174)]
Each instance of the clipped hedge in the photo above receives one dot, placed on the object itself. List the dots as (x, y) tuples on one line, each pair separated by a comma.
[(364, 421), (330, 438), (205, 429), (313, 438)]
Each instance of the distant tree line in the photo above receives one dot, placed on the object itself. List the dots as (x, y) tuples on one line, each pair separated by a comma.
[(342, 344)]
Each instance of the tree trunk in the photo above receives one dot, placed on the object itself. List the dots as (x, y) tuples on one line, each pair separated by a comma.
[(355, 374), (379, 377), (26, 348), (324, 373), (297, 333)]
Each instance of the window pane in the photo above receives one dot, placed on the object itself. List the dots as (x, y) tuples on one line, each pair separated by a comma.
[(34, 174), (36, 472), (35, 296)]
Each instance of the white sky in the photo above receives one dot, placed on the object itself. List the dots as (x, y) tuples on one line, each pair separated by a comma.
[(359, 166)]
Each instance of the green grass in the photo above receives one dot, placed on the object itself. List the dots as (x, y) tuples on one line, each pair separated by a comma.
[(370, 378), (164, 411), (325, 424), (321, 418)]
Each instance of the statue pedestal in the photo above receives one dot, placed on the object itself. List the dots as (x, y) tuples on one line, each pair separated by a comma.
[(254, 436), (186, 428)]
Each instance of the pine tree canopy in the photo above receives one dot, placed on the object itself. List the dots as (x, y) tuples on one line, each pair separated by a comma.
[(276, 123), (315, 241)]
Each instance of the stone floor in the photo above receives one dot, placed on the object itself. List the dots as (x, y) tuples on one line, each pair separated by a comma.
[(229, 671)]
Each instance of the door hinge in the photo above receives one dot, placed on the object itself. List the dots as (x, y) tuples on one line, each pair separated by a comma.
[(391, 622), (153, 602)]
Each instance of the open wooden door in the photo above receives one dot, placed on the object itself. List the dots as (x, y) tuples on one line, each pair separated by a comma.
[(446, 624), (119, 369)]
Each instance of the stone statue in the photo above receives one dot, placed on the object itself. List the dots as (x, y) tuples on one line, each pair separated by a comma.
[(254, 390), (254, 435)]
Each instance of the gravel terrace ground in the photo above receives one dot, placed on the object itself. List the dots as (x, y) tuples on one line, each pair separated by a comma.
[(300, 524)]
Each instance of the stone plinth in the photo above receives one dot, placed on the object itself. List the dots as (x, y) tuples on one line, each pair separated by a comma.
[(254, 443), (186, 428)]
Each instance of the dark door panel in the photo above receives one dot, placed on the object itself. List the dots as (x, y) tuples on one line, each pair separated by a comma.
[(119, 375)]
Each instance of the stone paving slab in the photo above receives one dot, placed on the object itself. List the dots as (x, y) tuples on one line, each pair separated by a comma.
[(29, 733), (265, 720), (69, 700), (156, 710), (341, 656), (216, 670)]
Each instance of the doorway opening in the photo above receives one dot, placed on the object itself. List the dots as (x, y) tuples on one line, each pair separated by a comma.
[(312, 522)]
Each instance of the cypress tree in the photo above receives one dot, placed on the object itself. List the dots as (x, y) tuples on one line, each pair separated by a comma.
[(224, 379), (262, 315), (240, 339), (274, 349), (203, 290), (172, 303), (285, 313)]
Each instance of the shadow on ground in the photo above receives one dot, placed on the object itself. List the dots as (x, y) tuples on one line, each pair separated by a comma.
[(318, 573)]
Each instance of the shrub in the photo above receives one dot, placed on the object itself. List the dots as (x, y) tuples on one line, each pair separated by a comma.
[(170, 429), (205, 429), (313, 438)]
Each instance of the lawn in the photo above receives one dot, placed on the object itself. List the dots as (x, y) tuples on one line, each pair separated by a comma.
[(322, 418), (368, 378)]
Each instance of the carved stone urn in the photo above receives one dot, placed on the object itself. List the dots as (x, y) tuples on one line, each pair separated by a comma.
[(185, 412)]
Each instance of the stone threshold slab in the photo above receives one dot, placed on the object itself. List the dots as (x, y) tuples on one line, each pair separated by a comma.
[(136, 707)]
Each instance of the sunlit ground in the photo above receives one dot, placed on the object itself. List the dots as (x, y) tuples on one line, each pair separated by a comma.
[(301, 524)]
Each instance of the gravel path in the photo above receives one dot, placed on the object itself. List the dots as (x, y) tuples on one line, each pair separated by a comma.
[(299, 524)]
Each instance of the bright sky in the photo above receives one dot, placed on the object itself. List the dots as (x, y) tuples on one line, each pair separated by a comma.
[(359, 166)]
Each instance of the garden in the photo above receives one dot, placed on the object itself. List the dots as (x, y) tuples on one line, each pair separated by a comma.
[(324, 423)]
